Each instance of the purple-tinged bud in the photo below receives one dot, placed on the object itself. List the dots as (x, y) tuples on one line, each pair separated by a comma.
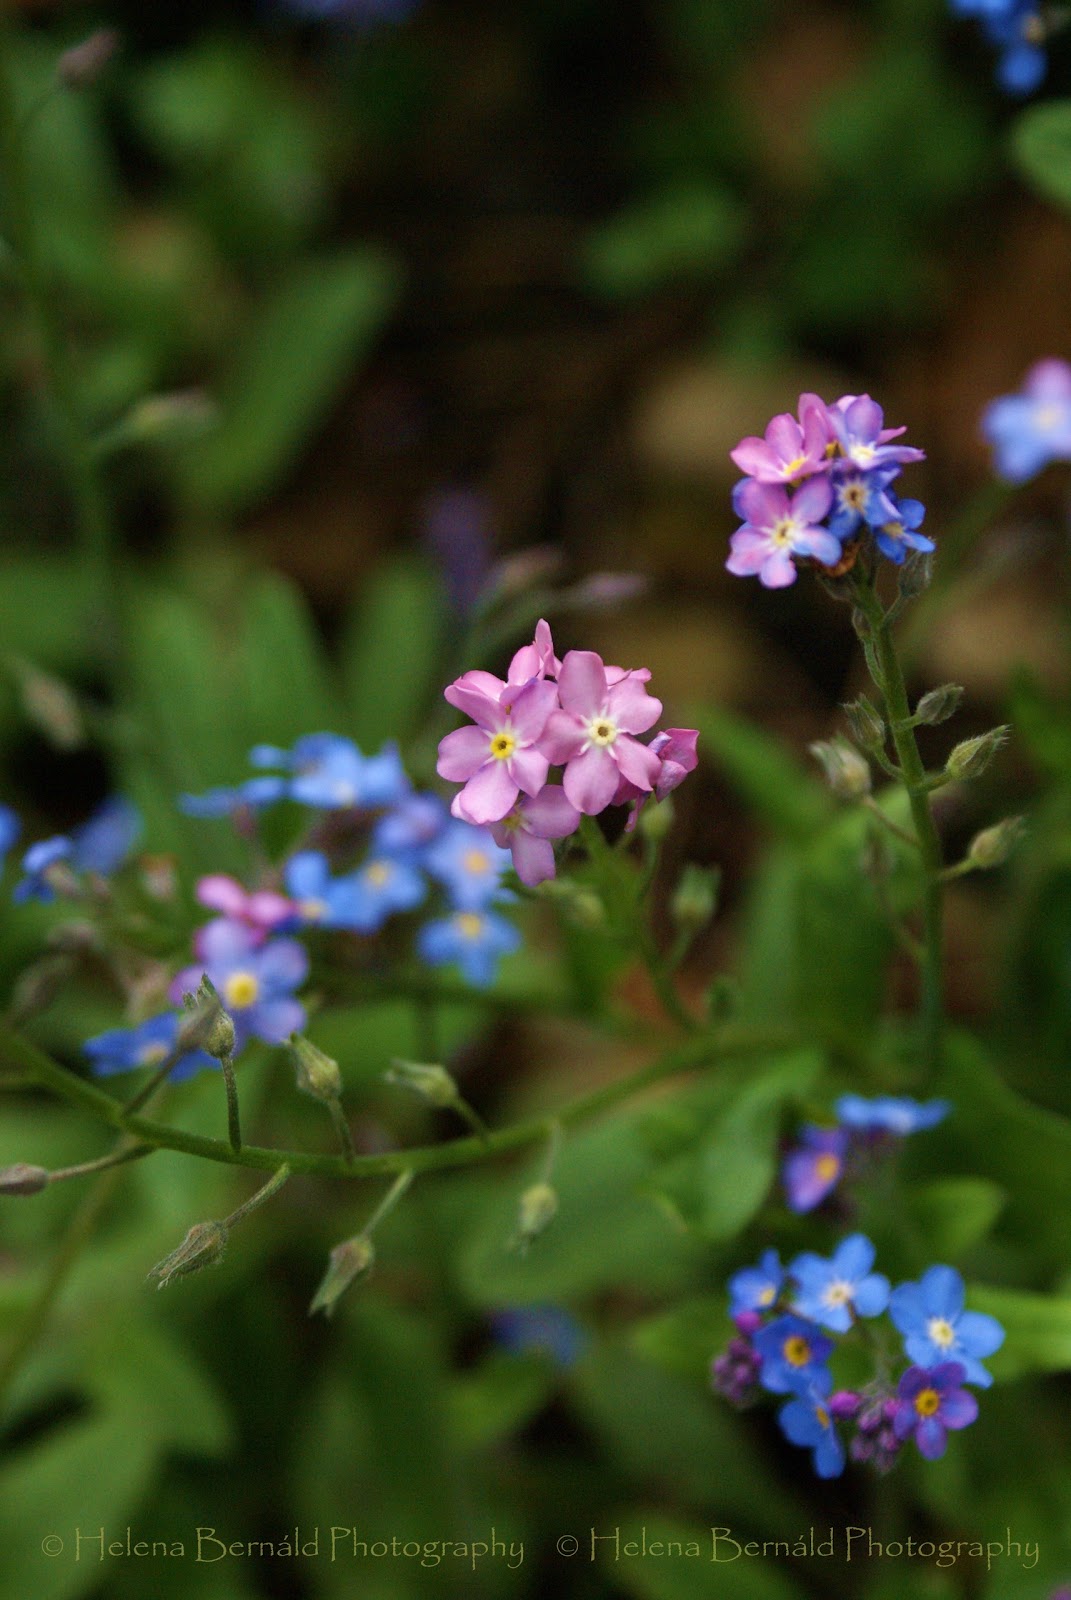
[(861, 1448), (23, 1179), (602, 590), (871, 1417), (81, 65), (891, 1409), (844, 1403), (748, 1321)]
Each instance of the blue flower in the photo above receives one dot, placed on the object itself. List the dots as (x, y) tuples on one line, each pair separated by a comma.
[(814, 1168), (860, 497), (357, 13), (37, 863), (469, 863), (379, 888), (252, 795), (1032, 428), (414, 822), (897, 1114), (900, 534), (829, 1292), (320, 899), (254, 980), (105, 840), (932, 1400), (148, 1045), (1018, 29), (10, 828), (542, 1330), (792, 1353), (806, 1420), (756, 1288), (473, 939), (332, 774), (936, 1328)]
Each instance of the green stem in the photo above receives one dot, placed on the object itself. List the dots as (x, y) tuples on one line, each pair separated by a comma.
[(729, 1041), (91, 510), (272, 1187), (889, 679), (234, 1125)]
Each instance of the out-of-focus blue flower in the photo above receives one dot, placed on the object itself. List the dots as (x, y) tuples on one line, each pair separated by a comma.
[(792, 1352), (1029, 429), (886, 1113), (106, 839), (814, 1168), (379, 888), (37, 864), (756, 1288), (252, 795), (541, 1330), (474, 940), (10, 828), (831, 1291), (468, 862), (321, 900), (1019, 31), (900, 534), (807, 1421), (932, 1400), (148, 1045), (254, 980), (333, 774), (415, 822), (457, 530), (936, 1328)]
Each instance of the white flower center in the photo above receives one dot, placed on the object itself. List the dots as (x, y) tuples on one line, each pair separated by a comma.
[(941, 1332), (837, 1293)]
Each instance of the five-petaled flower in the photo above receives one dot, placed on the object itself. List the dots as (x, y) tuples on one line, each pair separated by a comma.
[(936, 1328), (808, 1420), (833, 1292), (932, 1400), (793, 1353)]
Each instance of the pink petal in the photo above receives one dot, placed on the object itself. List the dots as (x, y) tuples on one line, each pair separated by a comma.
[(590, 781), (551, 814), (783, 434), (615, 674), (582, 683), (533, 858), (637, 762), (755, 458), (632, 708), (825, 547), (481, 706), (811, 502), (488, 795), (778, 572), (749, 552), (221, 893), (761, 503), (531, 708), (562, 737), (528, 769), (267, 908), (462, 753), (1049, 380)]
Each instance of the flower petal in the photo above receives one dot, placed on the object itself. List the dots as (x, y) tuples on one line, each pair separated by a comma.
[(590, 780)]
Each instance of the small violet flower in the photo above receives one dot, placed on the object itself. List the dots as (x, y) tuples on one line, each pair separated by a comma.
[(756, 1288), (593, 734), (833, 1292), (1029, 429), (791, 450), (814, 1168), (105, 840), (254, 980), (937, 1329), (778, 528), (527, 830), (932, 1400), (148, 1045), (858, 425), (261, 910)]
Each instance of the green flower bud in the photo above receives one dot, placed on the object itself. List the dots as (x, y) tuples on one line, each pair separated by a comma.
[(970, 759), (203, 1246), (208, 1026), (938, 704), (656, 819), (431, 1082), (847, 772), (317, 1073), (23, 1179), (537, 1209), (992, 846), (916, 574), (348, 1263), (695, 897), (868, 728)]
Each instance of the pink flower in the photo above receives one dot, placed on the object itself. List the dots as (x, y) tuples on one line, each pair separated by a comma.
[(676, 750), (528, 829), (535, 660), (499, 757), (778, 528), (592, 733), (790, 449), (260, 911)]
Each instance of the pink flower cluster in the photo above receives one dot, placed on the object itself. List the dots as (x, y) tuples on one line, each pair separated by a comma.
[(577, 714)]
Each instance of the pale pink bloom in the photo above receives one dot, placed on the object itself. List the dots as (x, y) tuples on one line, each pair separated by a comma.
[(676, 750), (593, 732), (527, 830), (778, 528), (791, 449), (500, 757), (260, 910)]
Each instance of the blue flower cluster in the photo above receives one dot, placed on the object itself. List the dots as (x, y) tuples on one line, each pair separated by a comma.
[(787, 1320), (1018, 29), (100, 846), (1029, 429), (814, 1167)]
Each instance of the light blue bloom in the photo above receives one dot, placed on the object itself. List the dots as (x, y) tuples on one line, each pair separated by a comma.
[(39, 859), (412, 824), (382, 886), (474, 940), (253, 795), (900, 534), (861, 497), (10, 828), (540, 1330), (1029, 429), (332, 774), (885, 1113), (807, 1421), (105, 840), (148, 1045), (831, 1291), (468, 862), (756, 1288), (321, 900), (254, 979), (936, 1328)]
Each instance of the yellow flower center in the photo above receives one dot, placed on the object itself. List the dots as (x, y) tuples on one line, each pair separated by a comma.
[(378, 873), (823, 1415), (240, 990), (941, 1332), (475, 861), (602, 731), (781, 532), (768, 1295), (893, 530), (468, 924), (827, 1167), (864, 453), (503, 745), (797, 1351), (313, 910), (792, 467), (150, 1055), (927, 1402)]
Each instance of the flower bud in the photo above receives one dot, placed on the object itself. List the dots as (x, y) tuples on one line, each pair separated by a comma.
[(970, 759), (916, 573), (348, 1263), (431, 1082), (992, 846), (23, 1179), (208, 1027), (695, 897), (37, 987), (868, 728), (847, 773), (537, 1209), (172, 418), (81, 65), (844, 1403), (656, 821), (203, 1246), (317, 1073), (50, 706), (937, 705)]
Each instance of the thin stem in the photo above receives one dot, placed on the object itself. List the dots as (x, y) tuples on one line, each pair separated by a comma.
[(726, 1042), (272, 1187), (234, 1125), (894, 827), (889, 679), (115, 1158), (388, 1202), (342, 1129)]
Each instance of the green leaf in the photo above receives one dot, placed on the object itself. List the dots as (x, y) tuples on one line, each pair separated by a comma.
[(391, 651), (739, 1159), (501, 1396), (310, 336), (955, 1214), (285, 684), (1041, 146), (660, 1557), (684, 234), (1038, 1329), (763, 771), (684, 1340), (158, 1385)]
